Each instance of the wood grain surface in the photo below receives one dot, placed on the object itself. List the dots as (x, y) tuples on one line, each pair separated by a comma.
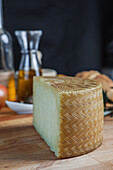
[(22, 148)]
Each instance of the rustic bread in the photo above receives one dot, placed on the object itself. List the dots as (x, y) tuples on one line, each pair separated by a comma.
[(88, 74), (106, 82), (110, 94)]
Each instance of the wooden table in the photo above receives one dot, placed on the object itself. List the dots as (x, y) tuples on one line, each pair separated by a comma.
[(22, 148)]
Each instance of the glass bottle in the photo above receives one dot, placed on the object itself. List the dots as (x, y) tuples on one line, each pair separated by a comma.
[(6, 59), (6, 52), (29, 64)]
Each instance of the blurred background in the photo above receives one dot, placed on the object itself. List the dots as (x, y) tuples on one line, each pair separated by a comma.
[(77, 34)]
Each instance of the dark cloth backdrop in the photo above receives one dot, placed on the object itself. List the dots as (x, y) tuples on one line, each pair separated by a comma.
[(73, 31)]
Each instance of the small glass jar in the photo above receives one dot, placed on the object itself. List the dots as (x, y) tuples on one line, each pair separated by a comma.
[(29, 64)]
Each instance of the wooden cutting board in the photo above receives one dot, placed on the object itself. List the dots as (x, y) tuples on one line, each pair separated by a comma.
[(22, 148)]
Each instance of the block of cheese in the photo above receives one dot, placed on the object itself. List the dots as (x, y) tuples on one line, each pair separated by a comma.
[(68, 114)]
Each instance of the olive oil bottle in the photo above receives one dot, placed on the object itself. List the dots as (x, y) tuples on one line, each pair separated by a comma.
[(29, 64)]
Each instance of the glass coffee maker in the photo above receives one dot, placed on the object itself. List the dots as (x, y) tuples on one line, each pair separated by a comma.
[(29, 64)]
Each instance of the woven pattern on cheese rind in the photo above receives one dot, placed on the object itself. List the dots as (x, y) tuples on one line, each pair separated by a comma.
[(70, 84), (81, 122)]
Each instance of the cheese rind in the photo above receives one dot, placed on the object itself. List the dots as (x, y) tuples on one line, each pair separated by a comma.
[(68, 114)]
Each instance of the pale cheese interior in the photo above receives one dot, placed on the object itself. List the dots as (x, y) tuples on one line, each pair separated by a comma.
[(46, 113)]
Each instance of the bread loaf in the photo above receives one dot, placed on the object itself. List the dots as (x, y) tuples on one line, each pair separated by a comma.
[(106, 82)]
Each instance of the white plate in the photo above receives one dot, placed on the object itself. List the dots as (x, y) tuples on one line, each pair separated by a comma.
[(107, 112), (49, 72), (20, 108)]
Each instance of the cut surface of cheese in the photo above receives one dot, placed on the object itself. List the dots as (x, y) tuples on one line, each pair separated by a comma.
[(68, 114)]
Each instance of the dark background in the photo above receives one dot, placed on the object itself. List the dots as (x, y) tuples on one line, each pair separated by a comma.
[(77, 34)]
